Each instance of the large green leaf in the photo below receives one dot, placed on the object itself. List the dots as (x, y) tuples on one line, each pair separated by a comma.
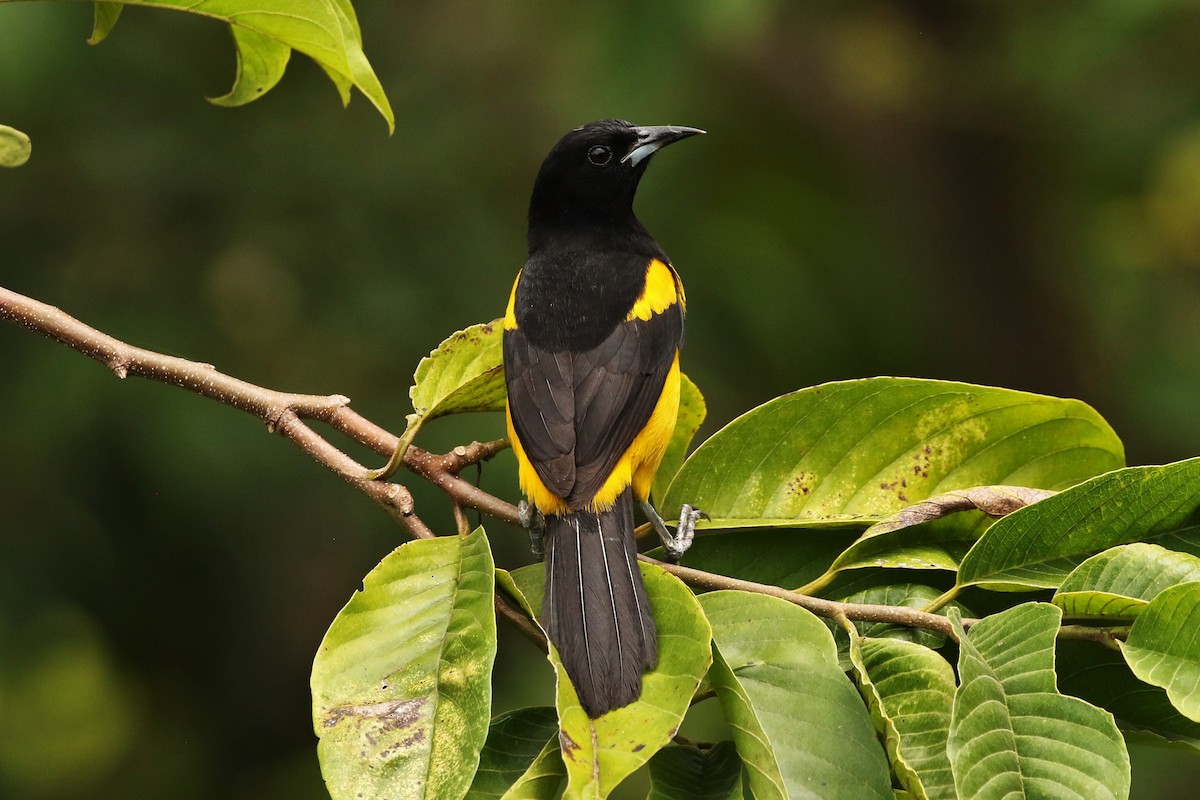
[(600, 753), (856, 451), (521, 758), (1163, 648), (910, 691), (1037, 546), (266, 31), (1099, 675), (679, 772), (1011, 733), (402, 682), (15, 147), (799, 726), (1121, 581), (692, 411)]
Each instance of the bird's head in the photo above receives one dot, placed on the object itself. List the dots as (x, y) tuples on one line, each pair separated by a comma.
[(591, 175)]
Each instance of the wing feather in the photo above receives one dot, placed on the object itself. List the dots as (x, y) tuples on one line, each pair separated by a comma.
[(576, 413)]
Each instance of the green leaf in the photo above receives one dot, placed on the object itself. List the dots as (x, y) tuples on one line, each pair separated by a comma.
[(1037, 546), (692, 411), (521, 758), (689, 772), (933, 534), (600, 753), (938, 544), (1121, 581), (1163, 648), (324, 30), (799, 726), (15, 147), (857, 451), (526, 584), (402, 682), (1101, 677), (778, 556), (1011, 733), (464, 373), (105, 17), (260, 65), (910, 691)]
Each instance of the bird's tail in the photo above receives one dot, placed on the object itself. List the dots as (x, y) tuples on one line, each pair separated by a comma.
[(595, 609)]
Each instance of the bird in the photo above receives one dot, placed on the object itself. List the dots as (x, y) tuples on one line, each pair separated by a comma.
[(591, 340)]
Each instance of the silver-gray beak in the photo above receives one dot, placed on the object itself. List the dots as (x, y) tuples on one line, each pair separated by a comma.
[(653, 137)]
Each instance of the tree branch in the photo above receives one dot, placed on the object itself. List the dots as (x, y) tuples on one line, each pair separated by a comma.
[(285, 412), (865, 612)]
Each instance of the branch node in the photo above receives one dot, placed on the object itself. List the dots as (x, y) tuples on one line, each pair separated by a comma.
[(119, 366), (274, 417)]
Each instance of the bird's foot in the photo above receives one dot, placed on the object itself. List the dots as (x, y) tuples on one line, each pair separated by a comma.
[(533, 521), (676, 544)]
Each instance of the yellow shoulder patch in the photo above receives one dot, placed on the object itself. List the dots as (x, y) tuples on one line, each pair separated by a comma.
[(662, 290), (510, 317)]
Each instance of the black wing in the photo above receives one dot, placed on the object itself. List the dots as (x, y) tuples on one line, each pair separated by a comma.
[(576, 413)]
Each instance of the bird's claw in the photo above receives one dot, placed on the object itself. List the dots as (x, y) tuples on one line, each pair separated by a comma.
[(685, 533), (676, 544), (533, 521)]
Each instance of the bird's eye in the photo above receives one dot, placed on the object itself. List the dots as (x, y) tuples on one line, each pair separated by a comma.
[(599, 155)]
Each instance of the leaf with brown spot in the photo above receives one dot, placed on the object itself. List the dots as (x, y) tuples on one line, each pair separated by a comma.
[(855, 452), (402, 682)]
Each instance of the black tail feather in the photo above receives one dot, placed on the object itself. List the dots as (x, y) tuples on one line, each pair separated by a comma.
[(595, 610)]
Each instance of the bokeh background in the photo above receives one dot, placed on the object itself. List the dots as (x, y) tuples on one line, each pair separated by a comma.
[(1003, 193)]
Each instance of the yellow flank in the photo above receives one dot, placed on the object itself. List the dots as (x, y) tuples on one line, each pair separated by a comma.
[(510, 317), (542, 498), (640, 461), (661, 290)]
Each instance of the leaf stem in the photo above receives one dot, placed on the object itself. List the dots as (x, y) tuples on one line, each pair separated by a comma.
[(815, 586), (943, 598)]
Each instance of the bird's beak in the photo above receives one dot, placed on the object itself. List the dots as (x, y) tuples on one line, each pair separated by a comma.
[(652, 137)]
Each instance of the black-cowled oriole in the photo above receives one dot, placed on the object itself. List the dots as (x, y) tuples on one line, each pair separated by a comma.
[(591, 357)]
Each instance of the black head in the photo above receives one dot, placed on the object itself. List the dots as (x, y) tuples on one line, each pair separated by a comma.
[(592, 173)]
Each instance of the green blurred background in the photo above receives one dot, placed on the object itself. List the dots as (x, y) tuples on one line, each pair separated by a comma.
[(999, 193)]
